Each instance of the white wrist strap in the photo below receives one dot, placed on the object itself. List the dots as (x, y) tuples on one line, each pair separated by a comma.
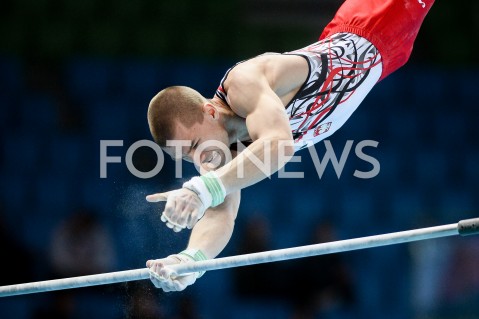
[(209, 189), (196, 255)]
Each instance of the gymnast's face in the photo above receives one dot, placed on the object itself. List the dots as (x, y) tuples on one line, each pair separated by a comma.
[(203, 144)]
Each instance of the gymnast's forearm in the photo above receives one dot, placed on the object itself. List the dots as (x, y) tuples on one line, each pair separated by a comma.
[(259, 160), (212, 232)]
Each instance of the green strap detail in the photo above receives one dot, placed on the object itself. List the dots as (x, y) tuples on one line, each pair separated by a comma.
[(214, 187), (196, 255)]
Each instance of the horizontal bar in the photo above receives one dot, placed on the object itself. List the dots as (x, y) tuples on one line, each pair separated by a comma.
[(75, 282), (317, 249), (468, 227), (244, 260)]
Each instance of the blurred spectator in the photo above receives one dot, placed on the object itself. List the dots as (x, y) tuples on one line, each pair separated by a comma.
[(47, 77), (257, 281), (446, 278), (61, 306), (430, 259), (429, 262), (461, 281), (147, 302), (18, 268), (143, 302), (321, 284), (186, 308), (81, 246)]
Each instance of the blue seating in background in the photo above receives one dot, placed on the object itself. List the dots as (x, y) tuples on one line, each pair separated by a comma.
[(360, 125), (12, 75), (262, 207), (37, 229), (110, 118), (381, 280), (68, 155), (357, 210), (88, 79), (195, 75), (427, 151), (466, 90), (456, 204), (7, 108), (310, 204), (431, 168), (38, 114), (368, 288), (16, 195), (259, 310), (55, 195), (98, 194), (450, 128), (471, 167), (218, 284), (16, 307), (407, 205), (390, 160), (402, 127), (428, 87), (143, 78), (386, 91), (98, 306), (22, 152)]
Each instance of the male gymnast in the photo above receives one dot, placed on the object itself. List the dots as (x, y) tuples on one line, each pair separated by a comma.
[(283, 101)]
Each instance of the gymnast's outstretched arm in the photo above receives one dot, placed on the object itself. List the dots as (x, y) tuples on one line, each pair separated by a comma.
[(208, 238), (214, 230)]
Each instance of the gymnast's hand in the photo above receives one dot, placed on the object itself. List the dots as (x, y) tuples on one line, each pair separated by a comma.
[(160, 274), (182, 210)]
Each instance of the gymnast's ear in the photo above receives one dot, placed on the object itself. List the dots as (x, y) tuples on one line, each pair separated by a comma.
[(209, 109)]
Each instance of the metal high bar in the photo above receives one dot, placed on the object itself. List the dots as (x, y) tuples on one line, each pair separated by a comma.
[(463, 228)]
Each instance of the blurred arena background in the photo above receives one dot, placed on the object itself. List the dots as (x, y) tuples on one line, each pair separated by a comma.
[(73, 73)]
